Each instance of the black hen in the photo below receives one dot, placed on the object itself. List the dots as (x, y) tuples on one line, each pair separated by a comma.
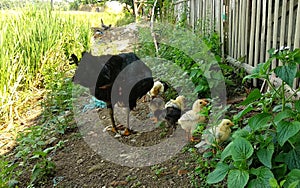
[(122, 79), (105, 27)]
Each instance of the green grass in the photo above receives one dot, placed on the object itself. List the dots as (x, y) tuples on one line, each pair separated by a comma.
[(35, 45)]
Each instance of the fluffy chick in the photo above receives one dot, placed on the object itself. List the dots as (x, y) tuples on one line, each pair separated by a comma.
[(219, 133), (174, 108), (191, 118), (156, 106), (158, 88)]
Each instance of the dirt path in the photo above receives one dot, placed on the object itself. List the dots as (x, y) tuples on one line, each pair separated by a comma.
[(79, 165)]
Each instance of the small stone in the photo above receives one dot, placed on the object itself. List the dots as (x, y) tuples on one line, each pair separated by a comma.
[(94, 168), (79, 161)]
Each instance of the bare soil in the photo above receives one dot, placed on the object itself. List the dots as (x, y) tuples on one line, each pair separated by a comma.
[(78, 165)]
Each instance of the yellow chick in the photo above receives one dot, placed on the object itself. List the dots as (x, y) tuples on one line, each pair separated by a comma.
[(157, 89), (220, 133), (191, 118)]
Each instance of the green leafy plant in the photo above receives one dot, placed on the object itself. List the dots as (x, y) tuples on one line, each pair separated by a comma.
[(266, 151)]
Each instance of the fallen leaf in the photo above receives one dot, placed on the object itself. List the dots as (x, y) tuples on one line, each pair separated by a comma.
[(182, 172), (118, 183)]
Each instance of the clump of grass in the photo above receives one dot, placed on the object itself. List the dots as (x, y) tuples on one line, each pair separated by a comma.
[(35, 45)]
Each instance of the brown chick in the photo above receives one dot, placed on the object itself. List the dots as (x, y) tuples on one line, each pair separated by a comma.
[(156, 106), (191, 118), (220, 133)]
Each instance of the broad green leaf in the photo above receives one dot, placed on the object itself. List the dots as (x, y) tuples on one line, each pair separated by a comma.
[(298, 74), (263, 176), (237, 178), (294, 184), (287, 73), (292, 158), (251, 76), (297, 55), (238, 116), (295, 139), (292, 177), (286, 130), (241, 149), (259, 121), (265, 155), (199, 88), (253, 96), (283, 115), (36, 172), (227, 151), (241, 133), (273, 183), (38, 154), (297, 105), (271, 51), (218, 174)]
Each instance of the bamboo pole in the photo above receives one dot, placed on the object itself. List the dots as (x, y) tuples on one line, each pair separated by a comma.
[(230, 32), (282, 24), (243, 24), (269, 28), (247, 27), (297, 39), (200, 9), (239, 42), (263, 33), (275, 29), (236, 29), (257, 37), (196, 13), (218, 17), (192, 18), (290, 26), (204, 17), (297, 30), (222, 12), (252, 33)]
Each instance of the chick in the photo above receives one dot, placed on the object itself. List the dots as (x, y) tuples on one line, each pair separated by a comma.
[(191, 118), (174, 108), (219, 133), (157, 89), (156, 106)]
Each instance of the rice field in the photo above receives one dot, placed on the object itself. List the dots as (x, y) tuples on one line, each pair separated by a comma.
[(35, 45)]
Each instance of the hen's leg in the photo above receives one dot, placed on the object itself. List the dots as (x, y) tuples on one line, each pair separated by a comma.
[(111, 113), (127, 129)]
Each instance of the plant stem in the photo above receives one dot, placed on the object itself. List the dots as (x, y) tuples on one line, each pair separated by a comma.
[(283, 96), (295, 92), (273, 88)]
